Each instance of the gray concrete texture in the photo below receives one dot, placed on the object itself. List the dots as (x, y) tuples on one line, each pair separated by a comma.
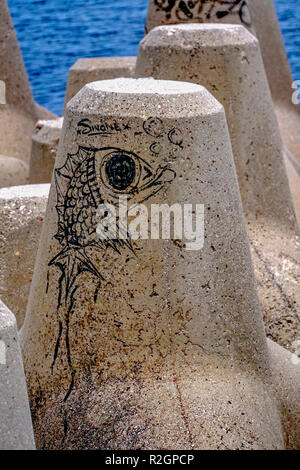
[(43, 151), (144, 344), (16, 431), (99, 68), (18, 111), (13, 172), (18, 115), (260, 18), (22, 211), (226, 60)]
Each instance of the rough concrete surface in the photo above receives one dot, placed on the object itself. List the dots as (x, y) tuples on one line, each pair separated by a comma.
[(143, 344), (260, 18), (43, 151), (22, 211), (16, 431), (286, 378), (226, 60), (99, 68), (18, 114), (13, 172)]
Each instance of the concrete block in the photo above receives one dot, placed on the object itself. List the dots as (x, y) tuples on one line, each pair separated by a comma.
[(16, 431), (260, 18), (18, 114), (293, 172), (286, 377), (43, 114), (226, 60), (22, 211), (166, 12), (99, 68), (146, 343), (43, 152), (278, 72), (13, 172)]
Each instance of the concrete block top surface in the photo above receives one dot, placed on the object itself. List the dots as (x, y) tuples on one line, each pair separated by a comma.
[(51, 123), (47, 132), (144, 87), (104, 96), (27, 191), (206, 34), (89, 64)]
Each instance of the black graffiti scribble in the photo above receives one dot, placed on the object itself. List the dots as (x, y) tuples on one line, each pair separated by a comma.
[(154, 127), (165, 5), (155, 148), (175, 137), (201, 10), (104, 129), (78, 197)]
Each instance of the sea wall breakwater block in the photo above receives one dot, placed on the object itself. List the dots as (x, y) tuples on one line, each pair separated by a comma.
[(22, 211), (18, 112), (45, 142), (293, 172), (146, 342), (226, 60), (260, 18), (16, 431), (13, 172), (285, 367), (284, 90), (99, 68), (166, 12)]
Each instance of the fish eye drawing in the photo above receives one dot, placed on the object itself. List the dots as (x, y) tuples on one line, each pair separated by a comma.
[(89, 178)]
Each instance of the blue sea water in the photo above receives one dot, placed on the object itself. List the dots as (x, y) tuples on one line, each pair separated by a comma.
[(53, 34)]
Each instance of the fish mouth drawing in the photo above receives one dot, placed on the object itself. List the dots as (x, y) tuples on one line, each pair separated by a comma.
[(89, 178)]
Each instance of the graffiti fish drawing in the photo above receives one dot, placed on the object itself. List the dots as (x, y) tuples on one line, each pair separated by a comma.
[(88, 179)]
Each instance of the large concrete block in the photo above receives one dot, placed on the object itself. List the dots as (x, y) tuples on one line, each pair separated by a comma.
[(226, 60), (293, 172), (260, 18), (22, 211), (13, 172), (18, 114), (164, 12), (140, 343), (286, 378), (99, 68), (16, 431), (43, 152), (278, 72), (43, 114)]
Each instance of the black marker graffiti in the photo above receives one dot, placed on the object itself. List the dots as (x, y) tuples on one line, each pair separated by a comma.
[(202, 10), (175, 137), (78, 186), (105, 129), (155, 148), (154, 127)]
